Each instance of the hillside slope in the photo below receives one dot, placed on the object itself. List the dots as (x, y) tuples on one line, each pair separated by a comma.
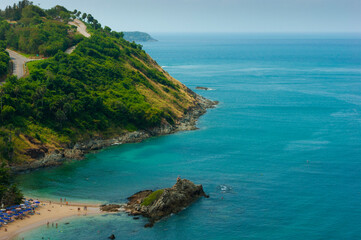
[(106, 87)]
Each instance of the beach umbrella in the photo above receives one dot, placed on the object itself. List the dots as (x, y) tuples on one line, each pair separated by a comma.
[(18, 209), (2, 220), (36, 202)]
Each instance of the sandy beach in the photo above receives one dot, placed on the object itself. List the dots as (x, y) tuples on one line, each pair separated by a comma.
[(49, 212)]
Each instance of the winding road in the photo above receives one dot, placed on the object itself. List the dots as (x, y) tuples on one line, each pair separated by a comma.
[(81, 28), (19, 61)]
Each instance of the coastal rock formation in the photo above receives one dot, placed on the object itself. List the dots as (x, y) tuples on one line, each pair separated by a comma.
[(158, 204), (110, 208), (202, 88)]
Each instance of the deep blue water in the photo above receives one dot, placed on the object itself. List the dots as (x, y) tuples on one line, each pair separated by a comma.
[(285, 140)]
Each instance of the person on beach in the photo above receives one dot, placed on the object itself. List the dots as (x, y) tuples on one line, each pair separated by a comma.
[(47, 224), (56, 225), (61, 200)]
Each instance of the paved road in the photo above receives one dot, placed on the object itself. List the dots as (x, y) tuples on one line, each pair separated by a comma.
[(81, 28), (18, 63), (19, 60)]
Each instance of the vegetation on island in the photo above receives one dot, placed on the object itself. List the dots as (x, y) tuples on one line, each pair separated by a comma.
[(152, 197), (105, 87), (138, 37)]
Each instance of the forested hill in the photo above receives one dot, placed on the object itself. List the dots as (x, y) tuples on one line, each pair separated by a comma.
[(105, 87)]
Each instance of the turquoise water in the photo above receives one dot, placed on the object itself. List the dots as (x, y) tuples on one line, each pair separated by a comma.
[(285, 140)]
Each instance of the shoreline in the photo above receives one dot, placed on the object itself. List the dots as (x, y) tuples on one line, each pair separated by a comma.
[(49, 212), (56, 211), (79, 150)]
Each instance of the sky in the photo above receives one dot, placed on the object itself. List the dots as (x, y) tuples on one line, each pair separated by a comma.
[(260, 16)]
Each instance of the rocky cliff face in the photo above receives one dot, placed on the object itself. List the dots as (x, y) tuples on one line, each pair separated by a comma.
[(159, 204), (55, 158)]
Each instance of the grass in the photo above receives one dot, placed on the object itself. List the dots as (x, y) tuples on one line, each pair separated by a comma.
[(152, 197)]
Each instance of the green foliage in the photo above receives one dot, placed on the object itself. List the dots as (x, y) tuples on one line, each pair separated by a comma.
[(105, 86), (43, 37), (4, 59), (152, 197), (4, 27), (38, 31), (9, 193), (89, 90), (14, 12)]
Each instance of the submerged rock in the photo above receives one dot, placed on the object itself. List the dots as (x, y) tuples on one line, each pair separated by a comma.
[(158, 204)]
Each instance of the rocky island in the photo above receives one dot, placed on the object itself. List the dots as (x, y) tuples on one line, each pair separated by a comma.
[(158, 204)]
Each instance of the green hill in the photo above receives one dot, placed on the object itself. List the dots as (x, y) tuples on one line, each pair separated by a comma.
[(106, 87)]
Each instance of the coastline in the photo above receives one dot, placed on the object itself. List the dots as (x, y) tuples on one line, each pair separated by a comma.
[(78, 151), (49, 212), (55, 211)]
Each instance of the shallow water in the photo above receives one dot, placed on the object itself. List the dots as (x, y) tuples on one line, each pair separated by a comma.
[(279, 156)]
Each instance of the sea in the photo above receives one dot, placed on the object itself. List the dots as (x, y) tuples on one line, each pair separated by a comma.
[(280, 156)]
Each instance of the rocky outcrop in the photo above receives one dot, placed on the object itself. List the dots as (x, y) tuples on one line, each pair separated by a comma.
[(162, 203), (44, 158), (110, 208), (202, 88)]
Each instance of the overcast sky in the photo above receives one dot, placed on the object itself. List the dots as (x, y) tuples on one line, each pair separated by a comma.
[(219, 15)]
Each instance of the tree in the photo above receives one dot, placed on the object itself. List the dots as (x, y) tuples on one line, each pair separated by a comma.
[(83, 17), (9, 193), (107, 29), (90, 18)]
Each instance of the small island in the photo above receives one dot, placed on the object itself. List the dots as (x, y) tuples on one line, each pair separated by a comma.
[(158, 204), (138, 37)]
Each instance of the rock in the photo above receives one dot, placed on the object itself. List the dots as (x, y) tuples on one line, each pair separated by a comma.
[(202, 88), (161, 203), (110, 208), (112, 236)]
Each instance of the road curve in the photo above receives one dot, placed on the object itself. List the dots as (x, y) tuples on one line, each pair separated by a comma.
[(18, 63), (81, 27)]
